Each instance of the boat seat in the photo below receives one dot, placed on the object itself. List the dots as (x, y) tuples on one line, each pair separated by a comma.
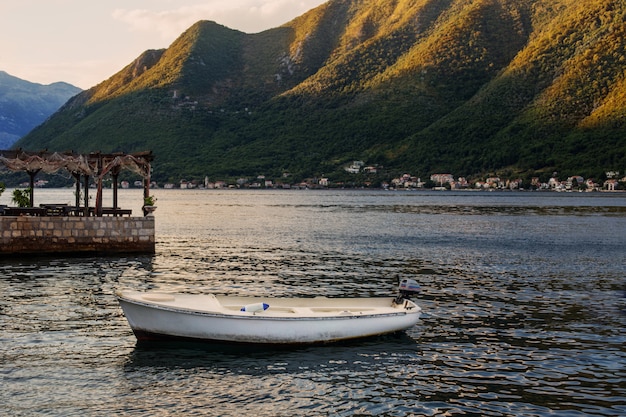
[(300, 310), (339, 309), (158, 297)]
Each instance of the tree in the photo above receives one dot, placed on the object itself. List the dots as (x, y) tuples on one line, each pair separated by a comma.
[(21, 197)]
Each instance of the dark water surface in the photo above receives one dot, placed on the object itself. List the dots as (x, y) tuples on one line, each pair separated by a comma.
[(523, 294)]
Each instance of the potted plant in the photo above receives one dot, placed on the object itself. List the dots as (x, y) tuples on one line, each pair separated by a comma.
[(148, 204)]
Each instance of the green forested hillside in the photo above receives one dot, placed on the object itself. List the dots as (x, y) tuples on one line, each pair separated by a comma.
[(471, 87)]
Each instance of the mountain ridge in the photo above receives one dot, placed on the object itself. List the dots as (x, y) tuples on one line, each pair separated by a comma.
[(526, 87), (24, 105)]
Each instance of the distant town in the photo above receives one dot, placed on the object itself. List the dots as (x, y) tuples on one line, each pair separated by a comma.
[(613, 182), (410, 182), (575, 183)]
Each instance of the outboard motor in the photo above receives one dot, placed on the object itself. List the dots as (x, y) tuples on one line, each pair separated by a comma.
[(407, 288)]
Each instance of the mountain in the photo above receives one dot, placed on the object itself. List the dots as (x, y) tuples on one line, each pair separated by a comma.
[(24, 105), (513, 87)]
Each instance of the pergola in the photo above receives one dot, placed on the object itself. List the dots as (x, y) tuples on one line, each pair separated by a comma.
[(81, 166)]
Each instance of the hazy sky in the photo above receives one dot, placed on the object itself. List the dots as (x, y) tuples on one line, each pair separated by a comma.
[(83, 42)]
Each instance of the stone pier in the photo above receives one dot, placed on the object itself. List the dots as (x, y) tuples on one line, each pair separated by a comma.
[(76, 235)]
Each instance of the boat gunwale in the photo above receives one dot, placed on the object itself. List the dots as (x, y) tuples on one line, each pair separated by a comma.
[(261, 316)]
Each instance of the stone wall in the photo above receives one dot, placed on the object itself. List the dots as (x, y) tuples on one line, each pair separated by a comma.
[(45, 235)]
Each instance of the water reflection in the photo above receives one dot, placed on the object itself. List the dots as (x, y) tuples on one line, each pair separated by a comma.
[(525, 210), (312, 381), (285, 359)]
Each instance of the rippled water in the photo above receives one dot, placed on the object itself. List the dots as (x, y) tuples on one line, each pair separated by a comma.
[(523, 294)]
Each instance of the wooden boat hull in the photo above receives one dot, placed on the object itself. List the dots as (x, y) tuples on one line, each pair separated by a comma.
[(154, 316)]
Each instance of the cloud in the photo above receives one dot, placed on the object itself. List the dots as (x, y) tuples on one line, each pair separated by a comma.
[(246, 15), (167, 24)]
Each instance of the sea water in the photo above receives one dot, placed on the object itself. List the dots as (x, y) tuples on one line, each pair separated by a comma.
[(523, 296)]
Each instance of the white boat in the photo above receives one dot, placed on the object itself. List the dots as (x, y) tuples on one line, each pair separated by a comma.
[(266, 320)]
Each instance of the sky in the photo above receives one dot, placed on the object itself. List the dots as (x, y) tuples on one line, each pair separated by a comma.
[(84, 42)]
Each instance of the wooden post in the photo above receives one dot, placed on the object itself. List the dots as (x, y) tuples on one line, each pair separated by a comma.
[(76, 176), (98, 211), (86, 187), (31, 189), (114, 173), (146, 189)]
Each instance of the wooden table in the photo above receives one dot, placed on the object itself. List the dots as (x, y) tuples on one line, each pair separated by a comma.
[(55, 209), (116, 211), (24, 211)]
